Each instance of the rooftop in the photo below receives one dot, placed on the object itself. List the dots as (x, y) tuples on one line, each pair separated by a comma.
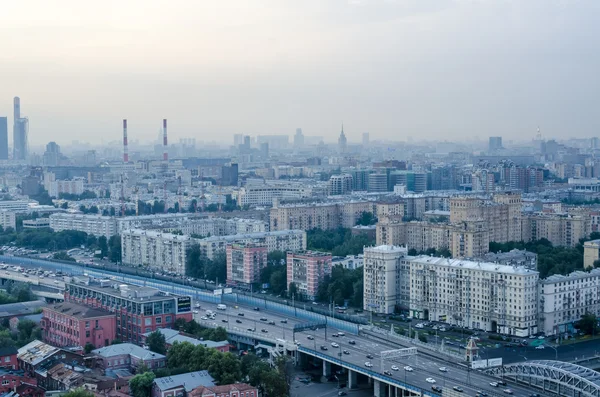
[(127, 349), (576, 275), (190, 381), (35, 352), (77, 311), (473, 265), (172, 336), (386, 248), (22, 308), (223, 389), (118, 289)]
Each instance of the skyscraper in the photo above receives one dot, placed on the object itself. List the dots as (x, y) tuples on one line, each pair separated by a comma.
[(298, 138), (365, 139), (495, 143), (3, 138), (20, 132), (342, 141)]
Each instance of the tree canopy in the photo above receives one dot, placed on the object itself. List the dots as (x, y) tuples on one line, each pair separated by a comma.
[(340, 242), (156, 342), (141, 384), (342, 284)]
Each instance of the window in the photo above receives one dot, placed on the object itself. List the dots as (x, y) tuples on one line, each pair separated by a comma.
[(87, 324), (147, 321), (87, 334), (5, 382), (96, 323), (7, 359), (158, 320), (167, 319)]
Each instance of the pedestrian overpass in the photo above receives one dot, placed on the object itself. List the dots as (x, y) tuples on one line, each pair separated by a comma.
[(553, 377)]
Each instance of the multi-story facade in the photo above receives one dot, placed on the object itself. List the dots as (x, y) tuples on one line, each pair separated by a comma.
[(55, 188), (262, 194), (340, 184), (283, 240), (564, 299), (479, 295), (233, 390), (307, 270), (326, 216), (387, 210), (138, 309), (470, 239), (244, 263), (386, 279), (90, 224), (155, 250), (127, 356), (560, 229), (591, 253), (73, 325), (494, 215), (8, 219)]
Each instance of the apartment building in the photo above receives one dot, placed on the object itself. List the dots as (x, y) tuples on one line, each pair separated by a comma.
[(564, 299), (560, 229), (244, 263), (263, 194), (138, 309), (494, 215), (73, 325), (386, 279), (387, 210), (155, 250), (340, 184), (57, 187), (479, 295), (424, 235), (283, 240), (591, 253), (8, 219), (514, 257), (307, 270), (91, 224), (324, 216), (16, 205), (470, 239)]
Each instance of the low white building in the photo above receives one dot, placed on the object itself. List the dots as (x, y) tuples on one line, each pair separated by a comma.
[(95, 225), (263, 194), (348, 262), (564, 299), (479, 295), (8, 219)]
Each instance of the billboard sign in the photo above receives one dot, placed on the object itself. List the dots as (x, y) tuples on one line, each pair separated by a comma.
[(184, 304), (227, 290), (218, 292), (495, 362), (479, 364)]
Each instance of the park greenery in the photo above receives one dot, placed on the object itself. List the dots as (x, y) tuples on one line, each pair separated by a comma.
[(340, 242), (194, 329), (198, 265), (156, 342), (342, 285), (79, 392), (551, 259)]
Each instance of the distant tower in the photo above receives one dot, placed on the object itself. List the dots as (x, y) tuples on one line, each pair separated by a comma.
[(298, 138), (20, 132), (165, 145), (17, 108), (472, 351), (495, 143), (125, 149), (342, 142), (3, 138), (365, 139)]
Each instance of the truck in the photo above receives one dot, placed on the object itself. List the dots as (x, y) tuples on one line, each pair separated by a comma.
[(221, 306)]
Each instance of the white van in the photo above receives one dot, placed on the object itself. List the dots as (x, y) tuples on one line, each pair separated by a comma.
[(221, 306)]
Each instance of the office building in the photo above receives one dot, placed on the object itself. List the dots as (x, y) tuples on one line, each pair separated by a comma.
[(138, 309), (360, 180), (244, 263), (378, 183), (340, 184), (229, 174), (386, 279), (73, 325), (495, 143), (155, 250), (20, 133), (307, 270), (564, 299), (51, 155), (3, 138), (91, 224), (264, 194), (479, 295), (591, 253)]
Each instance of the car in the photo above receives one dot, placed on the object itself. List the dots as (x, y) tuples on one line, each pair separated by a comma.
[(256, 309), (436, 389), (264, 331), (263, 319), (271, 322), (284, 321), (346, 352), (443, 369), (370, 356), (352, 342), (508, 391), (458, 389), (534, 395), (341, 334), (333, 344), (540, 347), (310, 337), (251, 329), (315, 303), (388, 373), (204, 318), (238, 321), (541, 337), (531, 336), (225, 320), (419, 326), (501, 382), (323, 347), (494, 384), (395, 368), (342, 393), (442, 329), (368, 364), (196, 312), (481, 393), (335, 335), (241, 314), (430, 380)]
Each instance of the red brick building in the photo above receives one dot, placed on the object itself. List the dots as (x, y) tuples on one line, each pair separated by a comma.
[(8, 358), (9, 380), (71, 324), (233, 390)]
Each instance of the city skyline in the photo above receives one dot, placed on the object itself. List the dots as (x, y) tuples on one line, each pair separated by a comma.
[(469, 69)]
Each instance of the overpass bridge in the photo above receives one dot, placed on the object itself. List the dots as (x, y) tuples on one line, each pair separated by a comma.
[(43, 287)]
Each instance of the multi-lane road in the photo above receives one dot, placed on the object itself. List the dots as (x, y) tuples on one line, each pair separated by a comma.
[(424, 366)]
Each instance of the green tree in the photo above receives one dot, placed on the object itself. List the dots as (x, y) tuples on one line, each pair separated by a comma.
[(103, 246), (25, 328), (278, 280), (156, 342), (216, 269), (79, 392), (588, 324), (88, 348), (114, 248), (366, 219), (224, 368), (63, 256), (141, 384)]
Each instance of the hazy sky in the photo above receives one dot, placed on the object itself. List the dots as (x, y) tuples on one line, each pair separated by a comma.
[(447, 69)]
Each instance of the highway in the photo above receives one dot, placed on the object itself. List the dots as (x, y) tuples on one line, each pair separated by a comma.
[(424, 366)]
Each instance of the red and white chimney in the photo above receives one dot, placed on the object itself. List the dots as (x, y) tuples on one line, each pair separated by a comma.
[(165, 145), (125, 149)]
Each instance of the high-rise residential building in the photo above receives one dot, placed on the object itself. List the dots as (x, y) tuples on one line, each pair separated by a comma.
[(479, 295), (3, 138), (20, 132), (386, 281), (470, 239), (94, 225), (340, 184), (283, 240), (365, 139), (560, 229), (8, 219), (138, 309), (564, 299), (495, 143), (324, 216), (244, 263), (154, 250), (52, 154), (307, 270), (298, 138), (342, 142), (360, 180)]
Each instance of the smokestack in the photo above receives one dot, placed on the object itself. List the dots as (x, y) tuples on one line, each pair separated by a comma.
[(165, 146), (125, 149)]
